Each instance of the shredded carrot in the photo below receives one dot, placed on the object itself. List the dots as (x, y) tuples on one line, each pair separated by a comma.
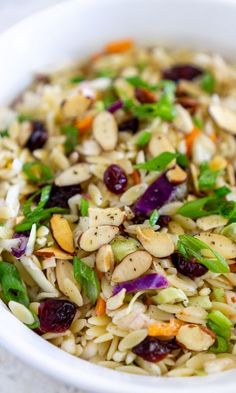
[(100, 308), (84, 124), (119, 46), (213, 137), (190, 138), (96, 56), (99, 274), (136, 177), (164, 329)]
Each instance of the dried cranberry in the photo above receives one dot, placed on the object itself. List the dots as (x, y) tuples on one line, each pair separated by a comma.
[(188, 267), (56, 315), (182, 71), (131, 124), (144, 96), (59, 195), (38, 137), (163, 220), (115, 179), (153, 350)]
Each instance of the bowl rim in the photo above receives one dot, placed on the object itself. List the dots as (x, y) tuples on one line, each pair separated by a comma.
[(61, 365)]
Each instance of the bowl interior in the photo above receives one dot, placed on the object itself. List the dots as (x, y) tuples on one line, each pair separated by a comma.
[(73, 30)]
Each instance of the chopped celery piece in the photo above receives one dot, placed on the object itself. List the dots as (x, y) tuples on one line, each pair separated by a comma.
[(219, 294), (122, 246), (170, 296)]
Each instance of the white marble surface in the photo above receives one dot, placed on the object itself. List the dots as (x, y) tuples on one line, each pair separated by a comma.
[(15, 376)]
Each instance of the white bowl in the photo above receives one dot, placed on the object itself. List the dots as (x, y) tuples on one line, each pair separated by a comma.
[(74, 29)]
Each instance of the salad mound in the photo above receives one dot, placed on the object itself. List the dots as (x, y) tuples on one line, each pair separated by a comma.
[(118, 210)]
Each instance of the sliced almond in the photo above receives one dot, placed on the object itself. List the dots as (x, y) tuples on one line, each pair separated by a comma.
[(75, 106), (183, 120), (67, 283), (203, 149), (158, 144), (223, 245), (132, 266), (224, 117), (195, 337), (176, 175), (158, 244), (76, 174), (210, 222), (105, 258), (109, 216), (105, 130), (62, 233), (53, 252), (96, 237)]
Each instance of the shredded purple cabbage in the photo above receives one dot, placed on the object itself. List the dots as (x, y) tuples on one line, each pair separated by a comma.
[(20, 250), (115, 106), (150, 281)]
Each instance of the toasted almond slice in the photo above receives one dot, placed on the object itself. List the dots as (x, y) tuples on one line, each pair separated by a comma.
[(183, 120), (76, 174), (96, 237), (75, 106), (105, 130), (109, 216), (220, 243), (132, 266), (203, 149), (195, 337), (64, 269), (62, 233), (224, 118), (53, 252), (156, 243), (210, 222), (176, 175), (158, 144), (105, 258)]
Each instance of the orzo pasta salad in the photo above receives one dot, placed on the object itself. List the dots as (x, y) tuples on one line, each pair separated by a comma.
[(118, 210)]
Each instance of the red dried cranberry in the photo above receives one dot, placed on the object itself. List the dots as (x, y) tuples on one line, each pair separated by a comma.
[(163, 220), (59, 195), (56, 315), (144, 96), (131, 124), (188, 267), (182, 71), (153, 350), (115, 179), (38, 137)]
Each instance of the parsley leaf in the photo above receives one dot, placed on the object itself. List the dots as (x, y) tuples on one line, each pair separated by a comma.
[(4, 133), (71, 133), (208, 82), (144, 138), (136, 81), (76, 79), (158, 163), (208, 177), (37, 172)]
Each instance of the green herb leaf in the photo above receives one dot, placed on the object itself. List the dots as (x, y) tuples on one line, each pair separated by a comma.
[(222, 191), (4, 133), (76, 79), (23, 117), (154, 217), (87, 278), (208, 177), (158, 163), (136, 81), (37, 172), (200, 207), (191, 247), (12, 285), (198, 122), (182, 160), (84, 205), (143, 138), (208, 82), (71, 133)]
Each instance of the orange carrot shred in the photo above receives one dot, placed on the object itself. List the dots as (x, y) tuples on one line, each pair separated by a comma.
[(99, 274), (119, 46), (136, 177), (213, 137), (100, 308), (164, 329), (84, 124), (190, 138), (96, 56)]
